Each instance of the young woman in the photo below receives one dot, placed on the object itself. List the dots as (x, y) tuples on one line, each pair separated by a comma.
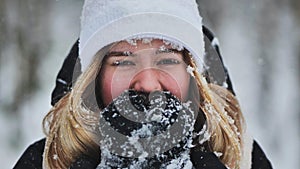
[(142, 92)]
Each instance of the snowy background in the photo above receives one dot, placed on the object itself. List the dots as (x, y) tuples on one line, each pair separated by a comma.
[(260, 43)]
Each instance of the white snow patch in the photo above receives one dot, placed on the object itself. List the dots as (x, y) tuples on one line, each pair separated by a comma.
[(218, 154), (55, 157), (190, 70), (215, 42)]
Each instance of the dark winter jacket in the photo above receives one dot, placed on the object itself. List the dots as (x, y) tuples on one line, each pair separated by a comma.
[(32, 157)]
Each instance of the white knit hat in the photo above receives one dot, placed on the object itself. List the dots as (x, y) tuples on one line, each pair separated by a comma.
[(107, 21)]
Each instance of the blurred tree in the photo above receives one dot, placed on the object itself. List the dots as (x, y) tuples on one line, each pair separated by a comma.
[(24, 42), (25, 28), (295, 5), (2, 33), (263, 38), (212, 12)]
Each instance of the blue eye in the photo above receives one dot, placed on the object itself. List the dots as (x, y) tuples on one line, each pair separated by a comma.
[(168, 62), (123, 63)]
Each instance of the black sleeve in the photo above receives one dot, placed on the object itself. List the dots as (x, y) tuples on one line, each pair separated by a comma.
[(84, 162), (259, 159), (206, 160), (32, 157)]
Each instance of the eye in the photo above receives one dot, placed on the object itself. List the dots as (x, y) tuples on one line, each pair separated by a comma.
[(123, 63), (168, 61)]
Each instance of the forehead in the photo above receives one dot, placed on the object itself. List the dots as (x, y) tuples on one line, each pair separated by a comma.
[(138, 45)]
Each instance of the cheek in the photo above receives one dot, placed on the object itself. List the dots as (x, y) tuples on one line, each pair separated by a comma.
[(112, 85), (184, 85), (177, 82)]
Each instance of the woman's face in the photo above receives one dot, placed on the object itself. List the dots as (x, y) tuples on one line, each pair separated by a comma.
[(143, 67)]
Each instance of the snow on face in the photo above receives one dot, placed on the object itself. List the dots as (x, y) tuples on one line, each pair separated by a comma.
[(145, 40)]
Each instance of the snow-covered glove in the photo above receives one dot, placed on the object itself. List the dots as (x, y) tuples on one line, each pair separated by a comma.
[(146, 130), (142, 130)]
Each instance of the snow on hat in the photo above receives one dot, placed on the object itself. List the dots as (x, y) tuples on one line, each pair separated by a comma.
[(107, 21)]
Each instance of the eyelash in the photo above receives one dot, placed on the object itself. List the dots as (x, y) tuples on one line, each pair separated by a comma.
[(169, 61), (122, 63), (168, 51), (163, 61)]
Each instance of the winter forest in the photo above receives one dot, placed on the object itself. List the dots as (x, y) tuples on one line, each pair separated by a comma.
[(259, 40)]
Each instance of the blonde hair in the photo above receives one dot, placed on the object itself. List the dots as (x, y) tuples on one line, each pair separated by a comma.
[(224, 119), (69, 124)]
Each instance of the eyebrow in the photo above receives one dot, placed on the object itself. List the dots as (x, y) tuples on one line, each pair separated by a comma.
[(168, 50), (128, 53), (119, 53)]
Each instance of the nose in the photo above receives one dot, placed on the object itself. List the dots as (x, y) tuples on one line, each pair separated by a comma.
[(147, 80)]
